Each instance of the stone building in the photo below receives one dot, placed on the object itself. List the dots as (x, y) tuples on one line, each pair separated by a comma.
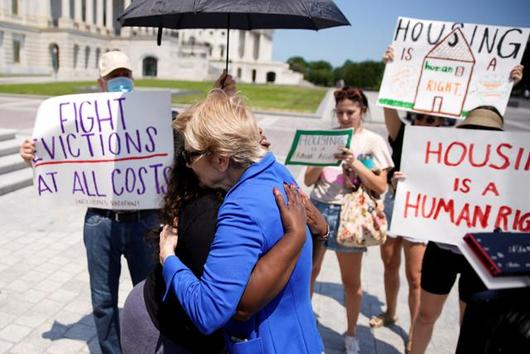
[(65, 38)]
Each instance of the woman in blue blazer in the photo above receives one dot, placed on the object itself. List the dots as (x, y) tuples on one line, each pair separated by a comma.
[(222, 148)]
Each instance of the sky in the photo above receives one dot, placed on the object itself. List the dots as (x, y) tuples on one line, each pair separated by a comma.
[(373, 23)]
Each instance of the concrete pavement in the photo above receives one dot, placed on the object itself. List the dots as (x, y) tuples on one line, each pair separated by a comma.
[(45, 298), (44, 291)]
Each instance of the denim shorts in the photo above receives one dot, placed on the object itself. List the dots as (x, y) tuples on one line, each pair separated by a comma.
[(388, 203), (388, 210), (332, 214)]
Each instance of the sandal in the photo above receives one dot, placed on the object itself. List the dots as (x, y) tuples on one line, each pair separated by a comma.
[(381, 320), (408, 346)]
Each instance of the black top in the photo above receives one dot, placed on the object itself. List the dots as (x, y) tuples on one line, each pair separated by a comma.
[(196, 231), (397, 148)]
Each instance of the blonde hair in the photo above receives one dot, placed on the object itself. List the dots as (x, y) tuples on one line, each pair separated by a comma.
[(222, 124)]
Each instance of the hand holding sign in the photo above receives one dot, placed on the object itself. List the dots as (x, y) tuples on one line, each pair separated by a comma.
[(516, 74), (346, 155), (389, 55), (27, 150), (446, 69), (319, 147)]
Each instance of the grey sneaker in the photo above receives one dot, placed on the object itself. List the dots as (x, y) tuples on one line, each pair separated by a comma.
[(352, 345)]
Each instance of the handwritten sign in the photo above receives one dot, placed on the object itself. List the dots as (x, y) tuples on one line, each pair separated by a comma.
[(447, 69), (104, 150), (317, 147), (460, 181)]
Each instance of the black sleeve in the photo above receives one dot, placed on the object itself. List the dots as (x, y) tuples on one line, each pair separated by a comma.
[(397, 148), (197, 224)]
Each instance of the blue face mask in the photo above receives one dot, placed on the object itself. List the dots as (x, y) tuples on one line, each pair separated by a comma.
[(120, 84)]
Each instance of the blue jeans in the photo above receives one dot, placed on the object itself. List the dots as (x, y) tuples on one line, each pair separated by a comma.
[(105, 241), (331, 213)]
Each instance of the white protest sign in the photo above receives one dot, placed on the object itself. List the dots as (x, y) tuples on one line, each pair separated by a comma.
[(318, 147), (459, 181), (104, 150), (447, 69)]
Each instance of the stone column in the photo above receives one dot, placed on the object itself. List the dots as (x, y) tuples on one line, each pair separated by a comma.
[(110, 16), (126, 31), (44, 14), (99, 15), (90, 13), (65, 21), (77, 12)]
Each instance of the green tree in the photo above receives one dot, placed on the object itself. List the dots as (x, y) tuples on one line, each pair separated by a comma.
[(320, 73), (366, 74), (298, 64)]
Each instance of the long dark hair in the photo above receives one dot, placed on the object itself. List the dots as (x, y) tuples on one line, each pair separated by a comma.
[(183, 186)]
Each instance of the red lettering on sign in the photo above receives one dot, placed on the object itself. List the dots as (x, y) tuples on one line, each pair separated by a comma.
[(437, 152), (491, 187)]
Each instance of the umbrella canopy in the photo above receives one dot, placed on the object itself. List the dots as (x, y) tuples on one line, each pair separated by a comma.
[(233, 14), (244, 14)]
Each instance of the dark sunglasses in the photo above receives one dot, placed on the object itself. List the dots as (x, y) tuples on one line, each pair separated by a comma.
[(189, 156), (427, 119)]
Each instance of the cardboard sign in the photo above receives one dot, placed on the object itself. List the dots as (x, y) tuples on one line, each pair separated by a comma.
[(104, 150), (447, 69), (317, 147), (459, 181)]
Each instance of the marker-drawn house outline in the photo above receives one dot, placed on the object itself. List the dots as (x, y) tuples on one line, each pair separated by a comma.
[(461, 52)]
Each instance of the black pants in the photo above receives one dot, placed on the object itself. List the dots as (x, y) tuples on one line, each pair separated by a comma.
[(496, 321)]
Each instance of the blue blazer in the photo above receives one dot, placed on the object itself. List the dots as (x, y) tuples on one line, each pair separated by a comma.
[(248, 225)]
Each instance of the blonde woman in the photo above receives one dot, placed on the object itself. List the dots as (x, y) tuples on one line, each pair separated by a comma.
[(222, 148)]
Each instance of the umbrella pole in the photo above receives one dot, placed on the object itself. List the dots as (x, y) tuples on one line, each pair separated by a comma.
[(227, 42)]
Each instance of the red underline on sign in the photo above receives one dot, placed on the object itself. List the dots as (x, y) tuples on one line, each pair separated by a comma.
[(130, 158)]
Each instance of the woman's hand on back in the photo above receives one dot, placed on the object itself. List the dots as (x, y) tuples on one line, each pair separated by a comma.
[(168, 242), (293, 213)]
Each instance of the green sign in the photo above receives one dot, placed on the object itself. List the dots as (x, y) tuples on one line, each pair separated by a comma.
[(318, 147)]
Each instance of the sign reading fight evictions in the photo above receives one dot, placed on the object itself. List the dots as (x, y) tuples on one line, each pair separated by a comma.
[(104, 150), (447, 69), (459, 181)]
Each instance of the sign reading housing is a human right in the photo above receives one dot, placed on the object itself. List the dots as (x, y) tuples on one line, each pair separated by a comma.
[(459, 181), (104, 150), (447, 69)]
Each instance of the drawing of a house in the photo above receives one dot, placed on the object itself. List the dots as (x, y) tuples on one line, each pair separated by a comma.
[(445, 76)]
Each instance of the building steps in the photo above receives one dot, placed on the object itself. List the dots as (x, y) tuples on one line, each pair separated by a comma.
[(7, 134), (14, 172), (9, 147), (12, 181)]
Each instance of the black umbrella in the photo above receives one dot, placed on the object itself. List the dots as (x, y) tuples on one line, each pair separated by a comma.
[(233, 14)]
